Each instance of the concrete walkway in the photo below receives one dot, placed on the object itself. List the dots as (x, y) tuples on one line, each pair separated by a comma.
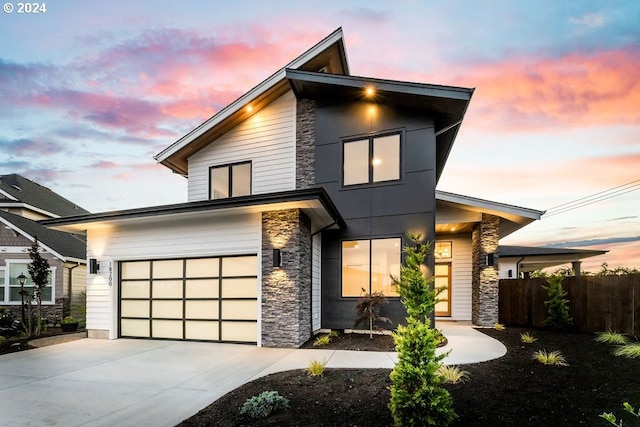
[(159, 383)]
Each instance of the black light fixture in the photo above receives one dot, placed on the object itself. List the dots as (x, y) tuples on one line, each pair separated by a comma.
[(22, 280), (277, 258), (489, 260), (94, 267)]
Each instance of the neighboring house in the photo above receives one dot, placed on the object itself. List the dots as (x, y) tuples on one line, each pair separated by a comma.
[(300, 197), (518, 261), (22, 202)]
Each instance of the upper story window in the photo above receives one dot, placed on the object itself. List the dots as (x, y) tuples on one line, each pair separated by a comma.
[(373, 159), (231, 180)]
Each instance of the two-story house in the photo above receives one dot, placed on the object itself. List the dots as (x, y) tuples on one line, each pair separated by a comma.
[(22, 203), (300, 197)]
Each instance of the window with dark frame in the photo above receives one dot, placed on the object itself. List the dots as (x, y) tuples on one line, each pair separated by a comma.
[(367, 266), (371, 160), (232, 180)]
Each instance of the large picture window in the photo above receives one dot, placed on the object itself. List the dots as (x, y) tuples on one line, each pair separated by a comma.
[(230, 180), (10, 285), (374, 159), (367, 266)]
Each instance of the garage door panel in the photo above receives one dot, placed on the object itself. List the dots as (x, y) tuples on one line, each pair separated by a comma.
[(135, 328), (134, 308), (240, 266), (203, 267), (202, 309), (167, 309), (136, 270), (202, 288), (170, 269), (240, 310), (167, 289), (240, 288), (239, 331), (137, 289), (167, 329), (202, 330)]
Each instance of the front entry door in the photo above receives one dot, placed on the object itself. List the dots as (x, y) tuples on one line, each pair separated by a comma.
[(443, 279)]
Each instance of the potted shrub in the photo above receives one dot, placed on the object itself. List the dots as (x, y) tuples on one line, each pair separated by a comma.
[(69, 324)]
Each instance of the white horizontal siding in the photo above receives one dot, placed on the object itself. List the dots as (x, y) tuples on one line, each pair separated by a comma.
[(461, 272), (267, 139), (166, 238), (316, 296)]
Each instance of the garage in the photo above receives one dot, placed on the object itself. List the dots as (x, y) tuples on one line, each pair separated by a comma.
[(207, 299)]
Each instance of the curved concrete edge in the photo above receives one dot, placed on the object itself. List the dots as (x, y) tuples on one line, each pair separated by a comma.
[(467, 345)]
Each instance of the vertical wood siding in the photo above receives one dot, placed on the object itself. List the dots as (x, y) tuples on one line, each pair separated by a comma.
[(267, 139)]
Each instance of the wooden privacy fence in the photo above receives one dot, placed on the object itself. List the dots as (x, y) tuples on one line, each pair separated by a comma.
[(595, 303)]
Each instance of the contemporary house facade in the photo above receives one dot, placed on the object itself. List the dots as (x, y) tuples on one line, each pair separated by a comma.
[(22, 203), (300, 197)]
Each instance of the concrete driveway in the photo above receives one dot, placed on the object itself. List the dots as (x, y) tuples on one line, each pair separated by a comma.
[(160, 383)]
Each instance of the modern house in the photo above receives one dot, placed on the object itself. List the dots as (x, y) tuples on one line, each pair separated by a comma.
[(22, 203), (300, 197)]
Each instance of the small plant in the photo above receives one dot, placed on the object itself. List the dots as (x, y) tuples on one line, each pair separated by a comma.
[(630, 351), (333, 334), (264, 404), (321, 340), (557, 305), (316, 367), (608, 416), (1, 340), (498, 327), (611, 337), (527, 338), (368, 309), (554, 358), (452, 374), (68, 320)]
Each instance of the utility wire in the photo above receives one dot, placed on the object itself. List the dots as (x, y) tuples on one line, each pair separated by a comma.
[(594, 198)]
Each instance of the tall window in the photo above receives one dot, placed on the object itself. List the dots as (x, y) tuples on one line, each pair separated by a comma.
[(367, 266), (374, 159), (230, 180), (9, 276)]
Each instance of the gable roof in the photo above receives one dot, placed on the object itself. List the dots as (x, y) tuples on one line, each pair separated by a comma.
[(18, 191), (329, 54), (63, 245)]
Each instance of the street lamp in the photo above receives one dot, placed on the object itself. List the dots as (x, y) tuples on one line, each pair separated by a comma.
[(22, 279)]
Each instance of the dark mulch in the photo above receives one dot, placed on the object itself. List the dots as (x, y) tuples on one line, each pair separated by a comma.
[(514, 390), (360, 342), (20, 343)]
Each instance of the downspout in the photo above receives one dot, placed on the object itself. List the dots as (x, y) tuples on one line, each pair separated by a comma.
[(70, 284), (518, 267)]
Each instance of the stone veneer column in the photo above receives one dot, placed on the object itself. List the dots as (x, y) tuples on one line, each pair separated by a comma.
[(305, 143), (286, 291), (484, 290)]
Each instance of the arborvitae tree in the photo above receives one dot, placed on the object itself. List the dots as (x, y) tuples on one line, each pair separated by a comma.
[(557, 305), (39, 272), (417, 395)]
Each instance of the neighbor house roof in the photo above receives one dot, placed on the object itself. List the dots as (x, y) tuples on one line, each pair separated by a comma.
[(18, 191), (314, 202), (530, 258), (468, 211), (65, 246), (329, 55)]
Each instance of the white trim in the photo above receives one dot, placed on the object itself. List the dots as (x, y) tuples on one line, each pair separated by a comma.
[(248, 97), (7, 195), (30, 207), (488, 205), (7, 284), (32, 239)]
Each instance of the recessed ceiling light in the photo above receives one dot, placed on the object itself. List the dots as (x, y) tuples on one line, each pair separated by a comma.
[(369, 91)]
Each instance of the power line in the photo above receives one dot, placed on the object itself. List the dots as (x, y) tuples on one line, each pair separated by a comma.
[(594, 198)]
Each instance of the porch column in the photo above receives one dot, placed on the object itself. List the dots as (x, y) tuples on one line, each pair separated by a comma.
[(575, 265), (484, 289), (286, 290)]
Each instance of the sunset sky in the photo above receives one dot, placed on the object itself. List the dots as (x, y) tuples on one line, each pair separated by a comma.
[(90, 91)]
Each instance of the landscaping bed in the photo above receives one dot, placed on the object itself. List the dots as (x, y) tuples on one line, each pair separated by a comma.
[(21, 343), (514, 390), (355, 341)]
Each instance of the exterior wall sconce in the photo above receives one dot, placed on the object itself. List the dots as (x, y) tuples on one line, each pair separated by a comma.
[(489, 260), (277, 258), (94, 267)]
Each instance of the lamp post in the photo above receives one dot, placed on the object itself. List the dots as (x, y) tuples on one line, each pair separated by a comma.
[(22, 279)]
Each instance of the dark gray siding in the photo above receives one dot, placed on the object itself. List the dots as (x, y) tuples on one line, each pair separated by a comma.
[(378, 210)]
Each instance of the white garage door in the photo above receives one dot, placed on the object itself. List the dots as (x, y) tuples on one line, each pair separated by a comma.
[(211, 299)]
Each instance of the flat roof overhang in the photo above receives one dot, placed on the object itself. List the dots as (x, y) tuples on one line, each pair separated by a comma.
[(447, 105), (315, 203)]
